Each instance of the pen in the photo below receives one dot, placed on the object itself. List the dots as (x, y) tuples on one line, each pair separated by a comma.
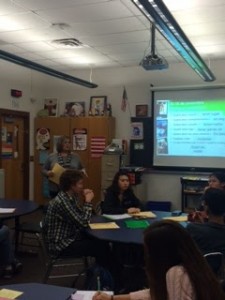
[(98, 284)]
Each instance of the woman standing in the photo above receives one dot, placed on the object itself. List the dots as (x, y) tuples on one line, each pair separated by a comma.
[(119, 197), (65, 158)]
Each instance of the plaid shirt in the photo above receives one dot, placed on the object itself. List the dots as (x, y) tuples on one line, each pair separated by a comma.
[(64, 221)]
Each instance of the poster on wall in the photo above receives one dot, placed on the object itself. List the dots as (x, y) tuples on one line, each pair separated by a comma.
[(98, 145), (137, 131), (42, 139), (79, 139), (7, 146)]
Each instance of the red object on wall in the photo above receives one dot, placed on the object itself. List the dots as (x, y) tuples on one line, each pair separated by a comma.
[(16, 93)]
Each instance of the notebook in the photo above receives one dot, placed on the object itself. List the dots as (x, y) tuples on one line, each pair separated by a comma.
[(133, 224)]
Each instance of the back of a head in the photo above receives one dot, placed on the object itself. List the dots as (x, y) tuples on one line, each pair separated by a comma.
[(167, 237), (215, 201), (68, 178), (168, 244)]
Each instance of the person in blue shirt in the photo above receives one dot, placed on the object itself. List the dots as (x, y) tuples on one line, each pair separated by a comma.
[(119, 197)]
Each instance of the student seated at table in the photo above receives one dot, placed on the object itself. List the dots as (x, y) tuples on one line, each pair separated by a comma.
[(119, 197), (175, 268), (8, 261), (210, 235), (66, 219)]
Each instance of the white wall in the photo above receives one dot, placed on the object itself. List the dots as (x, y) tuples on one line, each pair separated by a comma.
[(161, 185)]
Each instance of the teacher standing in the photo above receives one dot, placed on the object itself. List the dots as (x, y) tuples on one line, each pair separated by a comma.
[(65, 158)]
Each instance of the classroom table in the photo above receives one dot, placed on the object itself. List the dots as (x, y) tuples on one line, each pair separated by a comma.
[(124, 234), (22, 208), (38, 291)]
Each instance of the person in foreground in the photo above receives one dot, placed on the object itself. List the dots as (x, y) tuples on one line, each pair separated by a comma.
[(65, 158), (66, 218), (210, 236), (10, 264), (175, 268), (119, 197)]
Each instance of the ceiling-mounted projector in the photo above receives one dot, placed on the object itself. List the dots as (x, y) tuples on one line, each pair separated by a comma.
[(154, 62)]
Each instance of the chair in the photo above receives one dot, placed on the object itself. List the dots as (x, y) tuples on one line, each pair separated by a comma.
[(61, 264), (28, 234), (217, 264), (158, 205)]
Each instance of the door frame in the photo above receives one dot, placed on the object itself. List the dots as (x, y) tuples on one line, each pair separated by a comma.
[(26, 117)]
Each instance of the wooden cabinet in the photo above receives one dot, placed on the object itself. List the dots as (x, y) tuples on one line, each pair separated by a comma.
[(191, 190), (96, 127)]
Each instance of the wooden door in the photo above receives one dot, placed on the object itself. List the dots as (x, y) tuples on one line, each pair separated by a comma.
[(15, 153)]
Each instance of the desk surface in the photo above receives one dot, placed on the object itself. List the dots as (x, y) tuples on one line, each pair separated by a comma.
[(22, 207), (123, 234), (38, 291)]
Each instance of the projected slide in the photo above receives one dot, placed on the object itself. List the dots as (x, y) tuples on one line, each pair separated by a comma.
[(190, 128)]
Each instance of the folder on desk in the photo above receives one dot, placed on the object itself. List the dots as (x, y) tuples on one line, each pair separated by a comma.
[(177, 219), (57, 170), (9, 294), (144, 214), (134, 224), (108, 225)]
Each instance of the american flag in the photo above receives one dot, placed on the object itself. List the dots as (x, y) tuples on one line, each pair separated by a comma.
[(124, 100)]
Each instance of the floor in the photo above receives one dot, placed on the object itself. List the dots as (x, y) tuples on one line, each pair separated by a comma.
[(34, 266)]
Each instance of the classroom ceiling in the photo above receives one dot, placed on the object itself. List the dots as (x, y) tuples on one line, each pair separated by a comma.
[(113, 33)]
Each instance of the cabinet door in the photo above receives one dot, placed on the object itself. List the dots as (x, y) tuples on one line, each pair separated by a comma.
[(56, 127)]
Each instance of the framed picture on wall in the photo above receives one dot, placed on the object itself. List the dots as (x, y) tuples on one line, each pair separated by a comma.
[(51, 105), (98, 105), (74, 109), (142, 110)]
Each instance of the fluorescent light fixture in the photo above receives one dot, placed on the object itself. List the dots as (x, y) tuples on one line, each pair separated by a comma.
[(40, 68), (157, 12)]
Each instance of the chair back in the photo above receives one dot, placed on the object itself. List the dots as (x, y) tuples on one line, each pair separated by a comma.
[(158, 205), (217, 263)]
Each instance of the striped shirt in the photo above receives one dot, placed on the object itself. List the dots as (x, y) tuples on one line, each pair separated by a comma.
[(64, 221)]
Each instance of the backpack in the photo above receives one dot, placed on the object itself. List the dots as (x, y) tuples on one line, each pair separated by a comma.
[(99, 278)]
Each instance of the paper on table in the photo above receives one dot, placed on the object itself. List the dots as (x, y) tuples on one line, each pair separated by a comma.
[(144, 214), (57, 170), (11, 294), (86, 295), (109, 225), (6, 210), (116, 217), (178, 218)]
